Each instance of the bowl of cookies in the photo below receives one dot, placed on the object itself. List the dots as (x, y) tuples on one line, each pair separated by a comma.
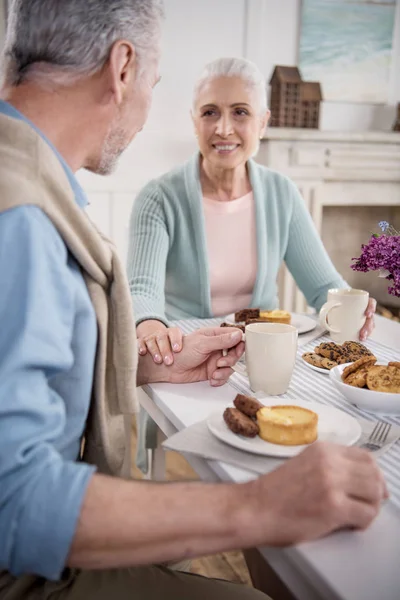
[(370, 385)]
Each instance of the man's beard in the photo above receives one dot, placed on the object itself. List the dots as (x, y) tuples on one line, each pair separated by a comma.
[(114, 145)]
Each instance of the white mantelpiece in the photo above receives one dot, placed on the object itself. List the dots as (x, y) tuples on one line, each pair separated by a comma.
[(333, 169)]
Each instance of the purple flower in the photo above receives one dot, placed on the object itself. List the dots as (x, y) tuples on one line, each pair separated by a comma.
[(383, 225), (381, 253)]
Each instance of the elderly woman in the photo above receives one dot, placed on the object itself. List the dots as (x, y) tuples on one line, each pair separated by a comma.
[(209, 237)]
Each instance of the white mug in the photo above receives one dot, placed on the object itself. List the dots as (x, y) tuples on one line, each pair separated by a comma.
[(344, 314), (270, 356)]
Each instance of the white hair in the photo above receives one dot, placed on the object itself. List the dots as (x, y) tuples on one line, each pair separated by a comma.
[(234, 67), (60, 41)]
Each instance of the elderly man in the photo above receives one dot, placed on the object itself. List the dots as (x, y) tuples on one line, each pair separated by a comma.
[(77, 85)]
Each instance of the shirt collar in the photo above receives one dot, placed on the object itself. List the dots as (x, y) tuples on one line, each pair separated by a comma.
[(80, 196)]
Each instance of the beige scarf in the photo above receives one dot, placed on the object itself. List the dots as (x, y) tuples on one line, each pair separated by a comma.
[(30, 173)]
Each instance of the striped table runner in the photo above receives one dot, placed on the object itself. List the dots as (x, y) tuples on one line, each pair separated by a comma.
[(309, 385)]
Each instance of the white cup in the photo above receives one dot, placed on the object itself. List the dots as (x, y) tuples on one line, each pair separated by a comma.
[(344, 314), (270, 356)]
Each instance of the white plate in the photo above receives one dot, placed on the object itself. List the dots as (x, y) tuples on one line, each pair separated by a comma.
[(376, 402), (333, 426), (318, 369), (302, 323)]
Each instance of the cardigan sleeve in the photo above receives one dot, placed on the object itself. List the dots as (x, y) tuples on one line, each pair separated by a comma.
[(147, 255), (306, 257)]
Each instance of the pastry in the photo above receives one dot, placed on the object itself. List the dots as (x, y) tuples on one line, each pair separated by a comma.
[(248, 406), (384, 379), (237, 325), (287, 425), (275, 316), (240, 423), (319, 361), (247, 313), (361, 362)]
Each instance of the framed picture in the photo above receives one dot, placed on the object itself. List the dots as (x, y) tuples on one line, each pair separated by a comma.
[(346, 45)]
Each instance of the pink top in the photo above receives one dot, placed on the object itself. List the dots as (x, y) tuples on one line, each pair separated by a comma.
[(232, 252)]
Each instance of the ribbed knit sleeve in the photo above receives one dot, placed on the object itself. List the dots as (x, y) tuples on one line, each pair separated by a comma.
[(306, 256), (147, 255)]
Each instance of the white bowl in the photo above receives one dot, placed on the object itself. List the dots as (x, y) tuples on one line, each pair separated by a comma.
[(376, 402)]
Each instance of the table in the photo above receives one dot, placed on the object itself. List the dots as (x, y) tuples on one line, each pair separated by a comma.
[(343, 566)]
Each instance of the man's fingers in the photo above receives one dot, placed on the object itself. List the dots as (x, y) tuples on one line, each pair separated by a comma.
[(211, 343), (220, 376), (359, 514)]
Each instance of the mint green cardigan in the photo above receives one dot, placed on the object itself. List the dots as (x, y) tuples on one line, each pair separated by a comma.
[(167, 257)]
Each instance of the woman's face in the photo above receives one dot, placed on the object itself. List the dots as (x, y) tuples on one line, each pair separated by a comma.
[(228, 121)]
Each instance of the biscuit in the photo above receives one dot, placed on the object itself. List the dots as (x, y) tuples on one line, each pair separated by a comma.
[(361, 362), (247, 313), (358, 378), (384, 379), (329, 350), (356, 348), (247, 405), (394, 364), (239, 423), (319, 361)]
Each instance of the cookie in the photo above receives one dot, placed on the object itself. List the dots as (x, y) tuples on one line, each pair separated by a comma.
[(394, 364), (384, 379), (240, 423), (247, 405), (361, 362), (358, 378), (329, 350), (319, 361), (356, 348), (247, 313)]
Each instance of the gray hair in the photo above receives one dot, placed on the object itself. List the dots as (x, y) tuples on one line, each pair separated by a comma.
[(61, 41), (234, 67)]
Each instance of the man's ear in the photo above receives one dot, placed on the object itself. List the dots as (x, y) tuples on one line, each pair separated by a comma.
[(122, 69)]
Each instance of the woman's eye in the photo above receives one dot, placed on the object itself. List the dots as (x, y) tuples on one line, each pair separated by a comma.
[(241, 112), (208, 113)]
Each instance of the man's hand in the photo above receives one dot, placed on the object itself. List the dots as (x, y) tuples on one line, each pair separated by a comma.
[(323, 489), (201, 359)]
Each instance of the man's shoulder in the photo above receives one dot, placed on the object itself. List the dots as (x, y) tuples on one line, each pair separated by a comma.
[(27, 225)]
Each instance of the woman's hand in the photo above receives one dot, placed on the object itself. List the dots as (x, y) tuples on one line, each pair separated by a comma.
[(369, 325), (160, 341)]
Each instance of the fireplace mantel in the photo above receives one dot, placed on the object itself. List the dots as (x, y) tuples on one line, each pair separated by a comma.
[(333, 168)]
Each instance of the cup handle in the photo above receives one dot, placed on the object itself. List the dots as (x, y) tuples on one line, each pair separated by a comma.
[(323, 316)]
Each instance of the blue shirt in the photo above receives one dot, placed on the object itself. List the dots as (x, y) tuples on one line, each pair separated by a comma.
[(48, 337)]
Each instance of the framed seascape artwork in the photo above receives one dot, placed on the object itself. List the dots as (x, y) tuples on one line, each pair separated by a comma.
[(346, 45)]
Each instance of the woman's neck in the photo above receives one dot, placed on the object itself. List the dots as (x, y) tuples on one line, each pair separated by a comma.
[(224, 184)]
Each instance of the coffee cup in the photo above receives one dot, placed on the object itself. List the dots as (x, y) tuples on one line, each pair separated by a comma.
[(343, 315), (270, 356)]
